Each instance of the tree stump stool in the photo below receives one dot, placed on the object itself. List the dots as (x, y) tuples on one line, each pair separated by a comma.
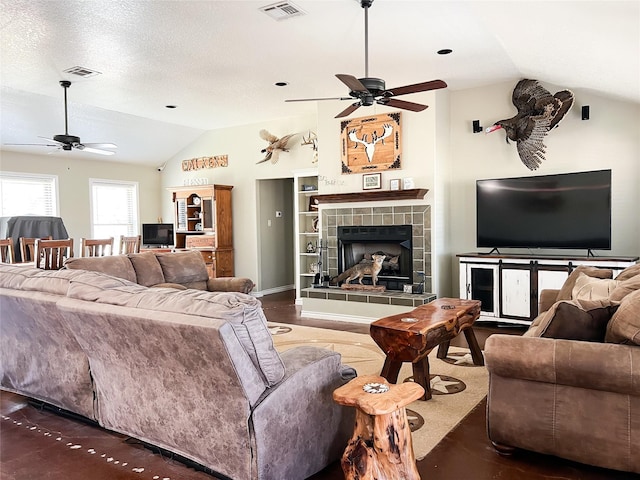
[(380, 447)]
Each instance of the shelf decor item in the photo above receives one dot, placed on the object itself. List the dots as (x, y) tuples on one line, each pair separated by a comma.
[(394, 184), (371, 181)]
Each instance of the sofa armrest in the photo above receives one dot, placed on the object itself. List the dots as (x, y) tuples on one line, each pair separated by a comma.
[(299, 416), (230, 284), (547, 298), (596, 366)]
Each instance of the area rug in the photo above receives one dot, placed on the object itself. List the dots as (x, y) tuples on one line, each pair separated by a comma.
[(457, 385)]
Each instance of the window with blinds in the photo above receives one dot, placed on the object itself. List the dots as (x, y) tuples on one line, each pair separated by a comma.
[(26, 194), (114, 209)]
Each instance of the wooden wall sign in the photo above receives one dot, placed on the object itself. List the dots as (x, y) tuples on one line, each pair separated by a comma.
[(370, 144), (205, 162)]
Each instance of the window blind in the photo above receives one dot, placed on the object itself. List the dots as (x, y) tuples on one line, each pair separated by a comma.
[(26, 194), (114, 208)]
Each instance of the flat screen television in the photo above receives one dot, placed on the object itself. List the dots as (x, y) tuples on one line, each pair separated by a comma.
[(571, 210), (157, 234)]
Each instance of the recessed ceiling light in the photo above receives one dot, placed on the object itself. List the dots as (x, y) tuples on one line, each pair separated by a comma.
[(281, 84), (445, 51), (170, 106)]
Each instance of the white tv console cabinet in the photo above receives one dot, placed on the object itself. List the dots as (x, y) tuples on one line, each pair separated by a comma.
[(509, 286)]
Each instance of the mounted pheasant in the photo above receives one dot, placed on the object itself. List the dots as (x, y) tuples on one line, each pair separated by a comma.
[(276, 145), (538, 112)]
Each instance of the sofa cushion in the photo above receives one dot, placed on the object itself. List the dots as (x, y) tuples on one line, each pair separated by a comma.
[(567, 288), (629, 272), (590, 288), (13, 276), (243, 312), (187, 268), (624, 326), (116, 266), (582, 320), (147, 267)]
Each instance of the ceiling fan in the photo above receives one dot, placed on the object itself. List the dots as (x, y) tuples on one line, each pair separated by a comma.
[(68, 142), (369, 90)]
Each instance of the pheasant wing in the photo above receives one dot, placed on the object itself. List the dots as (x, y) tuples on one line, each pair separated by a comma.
[(267, 136)]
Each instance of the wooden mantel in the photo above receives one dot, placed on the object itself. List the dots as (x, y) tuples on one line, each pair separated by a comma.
[(378, 195)]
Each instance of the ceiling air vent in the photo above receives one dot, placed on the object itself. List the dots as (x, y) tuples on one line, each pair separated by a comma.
[(82, 72), (282, 10)]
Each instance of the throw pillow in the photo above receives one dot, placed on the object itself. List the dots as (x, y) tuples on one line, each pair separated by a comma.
[(567, 288), (629, 272), (589, 288), (183, 267), (624, 288), (624, 326), (575, 320), (148, 270)]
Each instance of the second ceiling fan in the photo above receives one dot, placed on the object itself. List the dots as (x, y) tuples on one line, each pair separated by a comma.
[(369, 90)]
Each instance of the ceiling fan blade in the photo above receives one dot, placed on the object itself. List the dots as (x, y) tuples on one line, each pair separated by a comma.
[(84, 148), (100, 145), (415, 88), (318, 99), (32, 144), (350, 109), (352, 82), (396, 103), (51, 140)]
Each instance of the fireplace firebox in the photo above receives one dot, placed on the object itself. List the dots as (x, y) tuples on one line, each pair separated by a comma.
[(358, 243)]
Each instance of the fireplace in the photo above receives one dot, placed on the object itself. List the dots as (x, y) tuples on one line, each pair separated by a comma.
[(358, 243), (418, 216)]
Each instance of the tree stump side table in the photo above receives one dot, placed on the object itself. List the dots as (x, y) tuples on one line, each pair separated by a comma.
[(409, 337), (380, 447)]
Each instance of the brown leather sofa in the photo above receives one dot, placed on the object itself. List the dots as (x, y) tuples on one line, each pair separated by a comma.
[(184, 269), (570, 386)]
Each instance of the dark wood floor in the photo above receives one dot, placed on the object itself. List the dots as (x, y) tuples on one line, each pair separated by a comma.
[(465, 453)]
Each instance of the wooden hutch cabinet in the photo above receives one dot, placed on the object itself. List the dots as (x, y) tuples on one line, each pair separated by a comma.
[(203, 221)]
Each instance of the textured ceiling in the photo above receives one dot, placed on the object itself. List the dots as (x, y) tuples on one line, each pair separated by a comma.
[(218, 60)]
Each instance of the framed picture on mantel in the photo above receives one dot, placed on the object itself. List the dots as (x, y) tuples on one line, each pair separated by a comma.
[(371, 181)]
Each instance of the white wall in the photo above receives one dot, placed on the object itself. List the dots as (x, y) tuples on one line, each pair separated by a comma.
[(73, 186)]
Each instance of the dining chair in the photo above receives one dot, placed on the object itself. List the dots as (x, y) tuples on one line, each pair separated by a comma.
[(28, 248), (6, 250), (130, 244), (96, 247), (51, 254)]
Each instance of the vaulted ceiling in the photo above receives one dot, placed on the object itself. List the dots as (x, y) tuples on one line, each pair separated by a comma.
[(218, 61)]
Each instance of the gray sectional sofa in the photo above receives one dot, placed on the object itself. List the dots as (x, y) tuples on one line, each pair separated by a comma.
[(191, 371)]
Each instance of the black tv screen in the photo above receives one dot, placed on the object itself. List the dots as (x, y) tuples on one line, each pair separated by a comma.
[(571, 210), (157, 234)]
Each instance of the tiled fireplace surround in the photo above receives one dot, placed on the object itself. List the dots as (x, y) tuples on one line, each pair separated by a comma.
[(417, 215)]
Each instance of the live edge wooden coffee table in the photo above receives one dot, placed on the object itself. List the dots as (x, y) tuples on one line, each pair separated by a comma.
[(409, 337)]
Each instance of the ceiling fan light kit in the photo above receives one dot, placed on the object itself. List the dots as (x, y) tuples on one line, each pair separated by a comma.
[(371, 90), (69, 142)]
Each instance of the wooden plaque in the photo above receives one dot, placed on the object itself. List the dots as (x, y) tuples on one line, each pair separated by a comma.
[(371, 144)]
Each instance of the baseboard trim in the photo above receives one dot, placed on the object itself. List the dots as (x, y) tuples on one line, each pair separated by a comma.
[(337, 317), (269, 291)]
